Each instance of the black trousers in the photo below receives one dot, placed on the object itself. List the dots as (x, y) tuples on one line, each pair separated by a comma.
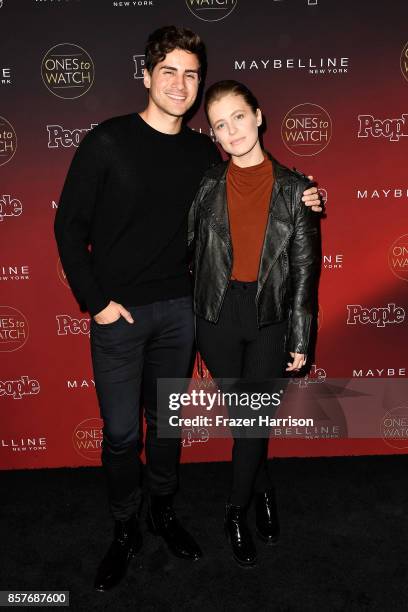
[(235, 347), (127, 361)]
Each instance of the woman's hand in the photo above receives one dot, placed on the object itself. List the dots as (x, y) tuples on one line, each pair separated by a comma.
[(299, 360)]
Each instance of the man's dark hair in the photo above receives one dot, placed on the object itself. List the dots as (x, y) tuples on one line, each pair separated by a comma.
[(166, 39), (222, 88)]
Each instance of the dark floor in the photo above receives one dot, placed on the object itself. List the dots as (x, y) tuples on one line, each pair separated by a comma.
[(344, 543)]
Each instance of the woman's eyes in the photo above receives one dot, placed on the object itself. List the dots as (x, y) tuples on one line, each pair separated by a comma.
[(222, 125)]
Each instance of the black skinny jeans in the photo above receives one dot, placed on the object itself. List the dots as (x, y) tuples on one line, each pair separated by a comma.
[(235, 347), (128, 358)]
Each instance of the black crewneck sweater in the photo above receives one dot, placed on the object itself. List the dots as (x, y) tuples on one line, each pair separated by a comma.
[(127, 196)]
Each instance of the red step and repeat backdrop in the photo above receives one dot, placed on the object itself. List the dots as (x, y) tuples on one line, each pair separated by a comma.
[(332, 80)]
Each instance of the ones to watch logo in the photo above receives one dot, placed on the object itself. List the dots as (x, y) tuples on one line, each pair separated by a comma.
[(306, 129), (211, 10), (61, 274), (404, 62), (14, 329), (67, 71), (8, 141), (394, 427), (87, 439), (398, 257)]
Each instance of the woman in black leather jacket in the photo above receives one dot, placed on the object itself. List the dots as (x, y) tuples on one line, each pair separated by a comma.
[(256, 268)]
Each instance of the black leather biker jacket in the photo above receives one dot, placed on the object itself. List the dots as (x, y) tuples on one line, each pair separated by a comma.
[(290, 259)]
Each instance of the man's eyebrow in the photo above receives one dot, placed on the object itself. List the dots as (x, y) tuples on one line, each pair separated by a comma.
[(174, 68)]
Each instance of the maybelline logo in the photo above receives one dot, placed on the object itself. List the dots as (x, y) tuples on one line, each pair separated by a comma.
[(387, 194), (15, 273), (133, 3), (5, 76), (70, 325), (81, 384), (20, 387), (391, 129), (9, 207), (379, 373), (333, 261), (378, 315), (57, 2), (62, 137), (309, 2), (23, 445), (322, 65)]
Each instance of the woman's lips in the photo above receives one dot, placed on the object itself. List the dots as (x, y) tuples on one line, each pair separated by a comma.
[(237, 141)]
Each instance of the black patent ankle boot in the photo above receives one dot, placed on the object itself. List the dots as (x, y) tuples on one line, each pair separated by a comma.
[(267, 520), (126, 543), (162, 521), (239, 535)]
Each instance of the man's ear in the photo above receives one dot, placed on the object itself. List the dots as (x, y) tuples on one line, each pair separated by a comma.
[(147, 79)]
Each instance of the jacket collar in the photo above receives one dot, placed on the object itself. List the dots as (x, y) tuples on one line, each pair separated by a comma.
[(281, 173)]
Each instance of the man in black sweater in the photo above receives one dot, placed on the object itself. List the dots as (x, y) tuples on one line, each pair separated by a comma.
[(127, 196)]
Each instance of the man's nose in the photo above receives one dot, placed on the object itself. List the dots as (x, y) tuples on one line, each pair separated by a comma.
[(180, 81)]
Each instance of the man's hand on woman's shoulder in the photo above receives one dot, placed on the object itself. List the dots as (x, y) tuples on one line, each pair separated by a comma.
[(311, 197)]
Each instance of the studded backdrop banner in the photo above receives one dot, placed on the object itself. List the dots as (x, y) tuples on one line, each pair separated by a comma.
[(332, 81)]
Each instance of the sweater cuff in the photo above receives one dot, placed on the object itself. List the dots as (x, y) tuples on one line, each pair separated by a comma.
[(96, 303)]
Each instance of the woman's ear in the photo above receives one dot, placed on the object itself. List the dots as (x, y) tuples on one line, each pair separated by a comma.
[(258, 117)]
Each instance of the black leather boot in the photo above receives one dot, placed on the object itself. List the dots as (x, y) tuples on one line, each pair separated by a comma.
[(126, 543), (267, 521), (239, 536), (162, 520)]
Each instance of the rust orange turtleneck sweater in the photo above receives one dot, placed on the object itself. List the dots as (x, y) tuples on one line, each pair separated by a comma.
[(248, 195)]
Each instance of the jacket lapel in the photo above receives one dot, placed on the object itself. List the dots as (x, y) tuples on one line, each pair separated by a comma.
[(277, 234)]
